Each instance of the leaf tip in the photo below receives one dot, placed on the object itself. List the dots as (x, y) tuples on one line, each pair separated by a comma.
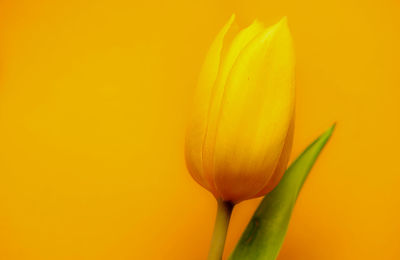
[(328, 133), (332, 128)]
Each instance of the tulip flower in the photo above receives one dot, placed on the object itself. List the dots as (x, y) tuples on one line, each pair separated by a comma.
[(240, 133)]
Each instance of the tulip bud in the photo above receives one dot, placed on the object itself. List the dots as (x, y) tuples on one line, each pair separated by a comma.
[(240, 133)]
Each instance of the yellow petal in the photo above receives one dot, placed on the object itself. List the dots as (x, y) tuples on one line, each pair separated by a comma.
[(255, 114), (230, 53), (197, 123), (282, 164)]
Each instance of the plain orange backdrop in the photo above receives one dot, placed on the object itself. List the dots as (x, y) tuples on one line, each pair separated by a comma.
[(93, 105)]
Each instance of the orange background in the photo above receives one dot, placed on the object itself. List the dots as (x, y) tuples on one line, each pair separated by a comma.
[(93, 105)]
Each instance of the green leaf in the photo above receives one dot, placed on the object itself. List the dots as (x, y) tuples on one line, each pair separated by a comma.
[(266, 231)]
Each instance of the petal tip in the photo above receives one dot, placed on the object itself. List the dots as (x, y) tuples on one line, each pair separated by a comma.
[(232, 18), (283, 23)]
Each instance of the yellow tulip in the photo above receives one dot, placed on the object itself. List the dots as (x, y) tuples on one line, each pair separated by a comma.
[(240, 133)]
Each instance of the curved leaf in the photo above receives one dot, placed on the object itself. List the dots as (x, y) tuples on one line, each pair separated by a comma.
[(266, 231)]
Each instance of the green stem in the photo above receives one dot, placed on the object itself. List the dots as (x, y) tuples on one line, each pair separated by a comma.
[(224, 212)]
